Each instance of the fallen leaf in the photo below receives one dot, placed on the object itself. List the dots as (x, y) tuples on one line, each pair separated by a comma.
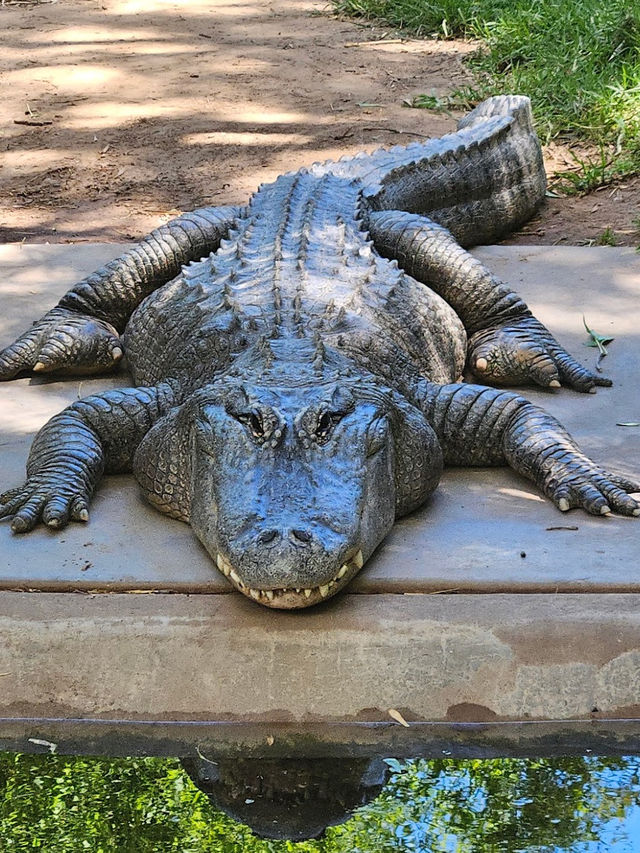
[(204, 757), (397, 716), (52, 746), (596, 339)]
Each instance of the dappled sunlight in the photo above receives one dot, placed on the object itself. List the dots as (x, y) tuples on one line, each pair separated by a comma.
[(33, 161), (272, 116), (244, 138), (104, 114), (99, 36), (126, 110), (521, 494), (185, 7), (69, 78), (403, 46), (24, 409), (111, 50)]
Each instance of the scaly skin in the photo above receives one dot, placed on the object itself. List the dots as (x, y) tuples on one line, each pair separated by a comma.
[(298, 362)]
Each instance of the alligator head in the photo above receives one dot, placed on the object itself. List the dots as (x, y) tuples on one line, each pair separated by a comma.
[(290, 486), (288, 798)]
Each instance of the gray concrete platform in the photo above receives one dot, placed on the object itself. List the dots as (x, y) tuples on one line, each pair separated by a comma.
[(538, 617), (471, 535)]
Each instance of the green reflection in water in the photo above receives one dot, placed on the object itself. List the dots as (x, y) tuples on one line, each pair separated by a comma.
[(63, 805)]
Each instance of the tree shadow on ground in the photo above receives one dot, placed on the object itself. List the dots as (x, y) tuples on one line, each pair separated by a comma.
[(130, 111)]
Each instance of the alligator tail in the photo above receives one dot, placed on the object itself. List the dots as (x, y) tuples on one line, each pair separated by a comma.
[(480, 182)]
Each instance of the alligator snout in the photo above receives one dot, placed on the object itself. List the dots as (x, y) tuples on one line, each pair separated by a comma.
[(296, 535), (290, 562), (289, 596)]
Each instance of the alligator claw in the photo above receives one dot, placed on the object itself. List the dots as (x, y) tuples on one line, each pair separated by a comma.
[(44, 497), (597, 492), (63, 342), (523, 351)]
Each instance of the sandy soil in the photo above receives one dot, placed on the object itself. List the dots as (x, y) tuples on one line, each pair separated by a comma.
[(121, 113)]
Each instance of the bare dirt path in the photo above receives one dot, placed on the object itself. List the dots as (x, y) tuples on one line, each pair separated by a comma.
[(120, 113)]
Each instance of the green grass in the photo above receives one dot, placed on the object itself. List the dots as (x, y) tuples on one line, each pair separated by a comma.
[(607, 238), (578, 60)]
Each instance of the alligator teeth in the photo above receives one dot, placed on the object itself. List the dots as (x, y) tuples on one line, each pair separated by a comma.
[(268, 595), (223, 564)]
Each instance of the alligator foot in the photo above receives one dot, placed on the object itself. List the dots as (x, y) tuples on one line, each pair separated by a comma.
[(597, 491), (523, 351), (537, 446), (63, 341), (48, 497)]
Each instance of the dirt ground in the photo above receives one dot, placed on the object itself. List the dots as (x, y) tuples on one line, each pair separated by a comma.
[(119, 114)]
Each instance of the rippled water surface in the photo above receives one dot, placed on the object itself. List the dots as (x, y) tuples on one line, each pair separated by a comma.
[(62, 805)]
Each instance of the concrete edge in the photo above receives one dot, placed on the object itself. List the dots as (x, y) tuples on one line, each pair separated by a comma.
[(451, 659)]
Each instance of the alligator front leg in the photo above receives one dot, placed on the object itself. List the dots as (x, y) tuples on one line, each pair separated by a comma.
[(94, 435), (507, 345), (80, 335), (484, 426)]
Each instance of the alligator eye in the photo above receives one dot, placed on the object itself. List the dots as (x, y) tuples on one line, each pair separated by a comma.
[(325, 422), (254, 422)]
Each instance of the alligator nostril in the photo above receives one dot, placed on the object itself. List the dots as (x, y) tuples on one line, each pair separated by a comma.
[(302, 536), (267, 536)]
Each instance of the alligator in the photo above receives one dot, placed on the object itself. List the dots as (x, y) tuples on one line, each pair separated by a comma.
[(298, 362), (288, 798)]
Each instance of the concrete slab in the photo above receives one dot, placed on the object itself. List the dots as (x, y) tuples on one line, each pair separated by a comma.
[(474, 532), (450, 658)]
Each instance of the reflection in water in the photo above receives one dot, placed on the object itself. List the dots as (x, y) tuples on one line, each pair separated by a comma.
[(67, 804), (289, 798)]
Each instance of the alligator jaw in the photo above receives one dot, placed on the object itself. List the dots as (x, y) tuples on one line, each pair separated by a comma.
[(293, 598)]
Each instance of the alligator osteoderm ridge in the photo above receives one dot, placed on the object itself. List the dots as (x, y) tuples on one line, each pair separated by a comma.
[(298, 362)]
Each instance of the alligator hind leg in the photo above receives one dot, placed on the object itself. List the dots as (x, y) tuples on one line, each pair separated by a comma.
[(94, 435), (80, 335), (507, 345)]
